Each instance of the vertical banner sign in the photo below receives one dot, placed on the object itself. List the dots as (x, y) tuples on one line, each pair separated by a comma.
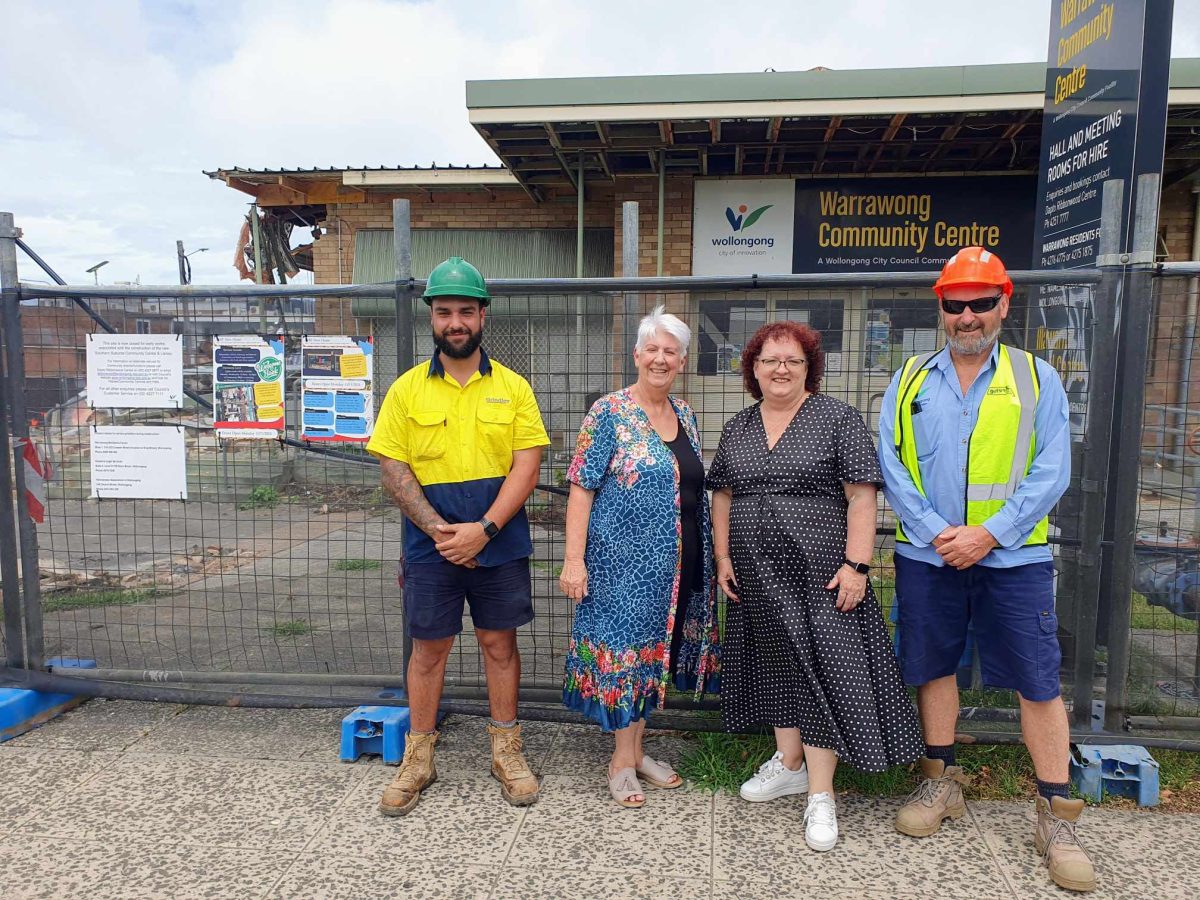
[(1105, 117), (335, 386), (742, 226), (248, 386)]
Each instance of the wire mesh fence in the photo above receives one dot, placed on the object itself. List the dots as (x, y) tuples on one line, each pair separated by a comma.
[(283, 559)]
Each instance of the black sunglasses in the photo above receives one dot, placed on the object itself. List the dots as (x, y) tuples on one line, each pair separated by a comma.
[(982, 305)]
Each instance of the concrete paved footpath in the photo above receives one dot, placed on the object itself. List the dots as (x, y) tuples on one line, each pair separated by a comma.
[(129, 800)]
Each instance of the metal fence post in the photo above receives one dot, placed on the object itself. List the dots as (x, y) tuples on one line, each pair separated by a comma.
[(1094, 468), (629, 269), (13, 630), (1135, 316), (14, 355), (402, 244)]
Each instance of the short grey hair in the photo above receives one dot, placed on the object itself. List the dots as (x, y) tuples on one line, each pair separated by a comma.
[(660, 320)]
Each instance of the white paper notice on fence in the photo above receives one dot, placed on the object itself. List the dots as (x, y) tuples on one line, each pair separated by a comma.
[(135, 370), (146, 463)]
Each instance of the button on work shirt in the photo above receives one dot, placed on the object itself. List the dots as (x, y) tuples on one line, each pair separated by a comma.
[(943, 432), (459, 442)]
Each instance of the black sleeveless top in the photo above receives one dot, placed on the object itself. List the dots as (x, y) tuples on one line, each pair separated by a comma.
[(691, 565)]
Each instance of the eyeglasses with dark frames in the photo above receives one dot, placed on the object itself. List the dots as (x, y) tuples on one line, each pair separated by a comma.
[(792, 365)]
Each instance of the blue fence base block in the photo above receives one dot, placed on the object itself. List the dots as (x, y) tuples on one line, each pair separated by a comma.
[(375, 729), (1121, 770), (22, 710)]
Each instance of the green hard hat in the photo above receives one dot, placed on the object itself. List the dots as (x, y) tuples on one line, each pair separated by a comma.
[(456, 278)]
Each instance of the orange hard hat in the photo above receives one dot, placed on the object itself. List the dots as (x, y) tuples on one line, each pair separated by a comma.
[(974, 265)]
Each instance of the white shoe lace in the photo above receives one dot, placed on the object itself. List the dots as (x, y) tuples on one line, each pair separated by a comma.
[(821, 811), (768, 770)]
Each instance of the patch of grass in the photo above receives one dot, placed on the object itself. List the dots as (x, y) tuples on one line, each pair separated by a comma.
[(721, 762), (357, 565), (556, 568), (1157, 618), (262, 497), (293, 629), (90, 599)]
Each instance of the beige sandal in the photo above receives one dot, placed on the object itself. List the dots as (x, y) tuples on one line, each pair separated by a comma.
[(623, 785), (657, 773)]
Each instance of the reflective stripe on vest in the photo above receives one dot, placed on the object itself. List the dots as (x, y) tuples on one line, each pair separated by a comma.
[(1000, 453)]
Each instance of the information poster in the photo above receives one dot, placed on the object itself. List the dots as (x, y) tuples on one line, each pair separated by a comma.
[(130, 371), (248, 386), (138, 463), (336, 386)]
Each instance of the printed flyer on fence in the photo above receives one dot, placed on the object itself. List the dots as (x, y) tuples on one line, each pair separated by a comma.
[(336, 388), (248, 386)]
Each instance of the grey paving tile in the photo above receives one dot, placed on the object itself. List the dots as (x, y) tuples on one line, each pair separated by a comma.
[(196, 801), (576, 826), (461, 819), (1137, 854), (33, 868), (583, 749), (214, 731), (520, 884), (464, 744), (349, 878), (764, 842), (101, 725), (30, 779), (782, 890)]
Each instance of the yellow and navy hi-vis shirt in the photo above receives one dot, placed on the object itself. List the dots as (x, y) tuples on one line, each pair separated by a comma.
[(459, 441)]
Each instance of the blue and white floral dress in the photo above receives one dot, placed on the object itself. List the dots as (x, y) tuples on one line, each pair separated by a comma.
[(620, 652)]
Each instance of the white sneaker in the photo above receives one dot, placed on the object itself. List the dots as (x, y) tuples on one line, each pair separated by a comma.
[(820, 822), (773, 780)]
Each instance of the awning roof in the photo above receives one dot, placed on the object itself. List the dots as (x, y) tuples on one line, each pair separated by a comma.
[(821, 122)]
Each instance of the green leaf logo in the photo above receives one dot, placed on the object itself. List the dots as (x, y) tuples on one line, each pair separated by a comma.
[(270, 368), (754, 216)]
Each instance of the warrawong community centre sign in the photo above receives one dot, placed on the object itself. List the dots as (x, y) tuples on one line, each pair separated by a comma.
[(785, 225)]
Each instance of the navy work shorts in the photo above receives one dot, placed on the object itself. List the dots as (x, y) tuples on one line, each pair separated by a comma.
[(1016, 630), (500, 597)]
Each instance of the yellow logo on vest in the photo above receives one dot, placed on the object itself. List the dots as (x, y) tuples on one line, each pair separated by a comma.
[(1002, 390)]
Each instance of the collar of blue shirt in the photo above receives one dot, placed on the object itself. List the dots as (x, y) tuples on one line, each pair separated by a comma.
[(436, 367)]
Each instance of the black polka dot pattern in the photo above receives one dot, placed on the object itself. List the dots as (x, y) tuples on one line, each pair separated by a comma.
[(791, 659)]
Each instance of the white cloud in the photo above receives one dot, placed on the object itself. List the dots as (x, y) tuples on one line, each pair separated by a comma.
[(120, 105)]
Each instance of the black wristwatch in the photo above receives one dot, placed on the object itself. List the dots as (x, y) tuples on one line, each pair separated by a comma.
[(860, 568), (490, 528)]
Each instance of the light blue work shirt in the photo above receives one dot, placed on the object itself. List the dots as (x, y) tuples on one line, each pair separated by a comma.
[(943, 429)]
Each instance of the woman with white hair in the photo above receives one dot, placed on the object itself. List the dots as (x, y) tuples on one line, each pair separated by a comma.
[(638, 558)]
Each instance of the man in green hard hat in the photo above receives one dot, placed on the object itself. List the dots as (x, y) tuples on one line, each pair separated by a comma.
[(460, 440)]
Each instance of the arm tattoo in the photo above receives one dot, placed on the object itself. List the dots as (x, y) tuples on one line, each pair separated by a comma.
[(401, 485)]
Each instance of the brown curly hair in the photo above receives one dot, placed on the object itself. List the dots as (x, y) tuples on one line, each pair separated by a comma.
[(809, 340)]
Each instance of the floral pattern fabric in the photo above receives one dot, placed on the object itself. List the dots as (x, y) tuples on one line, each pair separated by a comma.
[(619, 658)]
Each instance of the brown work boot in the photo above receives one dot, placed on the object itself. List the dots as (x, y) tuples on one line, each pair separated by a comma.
[(1055, 838), (939, 795), (518, 784), (416, 773)]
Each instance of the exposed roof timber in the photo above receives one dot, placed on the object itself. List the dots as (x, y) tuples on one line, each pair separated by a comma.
[(888, 136), (737, 159), (773, 129), (1015, 128), (944, 144), (245, 187), (665, 133), (555, 142), (602, 131), (714, 130)]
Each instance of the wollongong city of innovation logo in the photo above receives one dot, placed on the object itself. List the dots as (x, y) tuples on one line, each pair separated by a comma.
[(740, 222)]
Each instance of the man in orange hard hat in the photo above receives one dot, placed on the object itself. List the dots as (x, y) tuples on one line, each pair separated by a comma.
[(975, 447)]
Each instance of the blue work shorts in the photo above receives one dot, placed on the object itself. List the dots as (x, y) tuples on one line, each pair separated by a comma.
[(501, 597), (1016, 629)]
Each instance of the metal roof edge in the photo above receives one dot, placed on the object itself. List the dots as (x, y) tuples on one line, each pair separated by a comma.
[(823, 84)]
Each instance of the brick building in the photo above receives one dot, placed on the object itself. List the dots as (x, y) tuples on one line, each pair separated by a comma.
[(683, 145)]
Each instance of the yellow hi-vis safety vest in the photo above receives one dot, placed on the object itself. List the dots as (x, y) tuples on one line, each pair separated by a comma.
[(1002, 443)]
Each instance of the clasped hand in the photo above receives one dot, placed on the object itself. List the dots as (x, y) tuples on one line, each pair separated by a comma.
[(461, 543), (573, 580), (851, 587), (961, 546)]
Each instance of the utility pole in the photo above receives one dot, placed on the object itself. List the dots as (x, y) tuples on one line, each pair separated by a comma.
[(183, 276)]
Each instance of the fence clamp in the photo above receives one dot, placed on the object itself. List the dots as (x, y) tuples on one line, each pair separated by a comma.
[(13, 233)]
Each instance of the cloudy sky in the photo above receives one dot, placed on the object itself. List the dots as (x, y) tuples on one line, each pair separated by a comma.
[(110, 110)]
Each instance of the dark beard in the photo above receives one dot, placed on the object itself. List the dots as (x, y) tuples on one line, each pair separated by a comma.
[(462, 352)]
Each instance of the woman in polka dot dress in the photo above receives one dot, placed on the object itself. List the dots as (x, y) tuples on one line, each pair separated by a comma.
[(805, 650)]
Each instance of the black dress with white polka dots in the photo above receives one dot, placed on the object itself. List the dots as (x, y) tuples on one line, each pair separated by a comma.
[(791, 659)]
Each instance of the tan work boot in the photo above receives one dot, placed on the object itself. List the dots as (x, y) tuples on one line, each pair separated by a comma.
[(1055, 838), (518, 784), (416, 773), (938, 797)]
